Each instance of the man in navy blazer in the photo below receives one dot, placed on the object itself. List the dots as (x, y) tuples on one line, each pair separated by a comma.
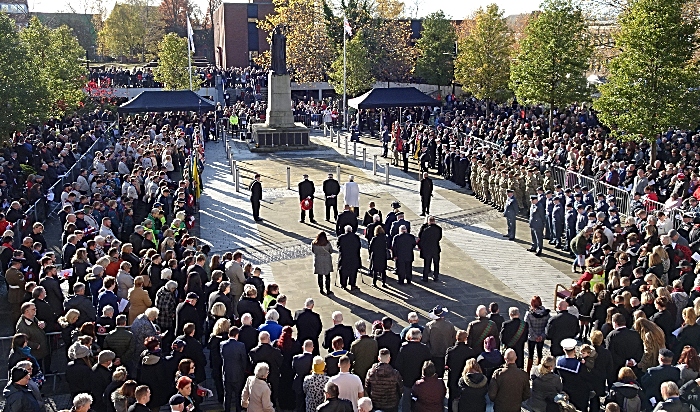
[(301, 364), (235, 361)]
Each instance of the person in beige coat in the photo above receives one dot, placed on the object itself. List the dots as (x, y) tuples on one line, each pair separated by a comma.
[(138, 298), (256, 392)]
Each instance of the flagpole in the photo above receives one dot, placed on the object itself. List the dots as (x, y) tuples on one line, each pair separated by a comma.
[(189, 51), (345, 77)]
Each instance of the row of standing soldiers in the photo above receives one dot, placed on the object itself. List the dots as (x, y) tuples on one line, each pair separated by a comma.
[(490, 180)]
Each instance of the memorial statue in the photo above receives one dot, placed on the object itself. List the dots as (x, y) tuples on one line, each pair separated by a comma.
[(279, 51)]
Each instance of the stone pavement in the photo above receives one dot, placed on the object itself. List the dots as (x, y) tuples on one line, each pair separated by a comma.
[(477, 265)]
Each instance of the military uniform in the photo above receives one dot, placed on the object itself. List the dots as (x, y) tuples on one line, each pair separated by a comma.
[(15, 295)]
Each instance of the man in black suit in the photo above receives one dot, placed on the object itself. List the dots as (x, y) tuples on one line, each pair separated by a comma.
[(388, 339), (308, 324), (338, 329), (269, 354), (256, 197), (235, 361), (349, 261), (285, 318), (651, 381), (222, 295), (625, 345), (186, 312), (561, 326), (409, 363), (347, 218), (369, 229), (426, 192), (331, 189), (301, 365), (248, 335), (672, 398), (69, 250), (54, 293), (402, 248), (514, 335), (455, 359), (429, 237), (306, 191), (193, 350)]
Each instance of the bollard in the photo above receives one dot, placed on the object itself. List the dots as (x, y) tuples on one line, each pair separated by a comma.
[(337, 172), (234, 166), (237, 180), (338, 140), (346, 145), (289, 178), (386, 172), (228, 149), (354, 150), (374, 165), (364, 157)]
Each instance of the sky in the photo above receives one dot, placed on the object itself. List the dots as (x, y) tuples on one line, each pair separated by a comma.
[(456, 9)]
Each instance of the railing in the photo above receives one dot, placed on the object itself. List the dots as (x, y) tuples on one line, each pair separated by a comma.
[(6, 346), (331, 132)]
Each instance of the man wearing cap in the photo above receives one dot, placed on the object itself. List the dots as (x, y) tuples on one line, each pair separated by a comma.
[(331, 189), (510, 212), (558, 222), (573, 375), (177, 403), (18, 396), (101, 378), (653, 378), (256, 196), (536, 222), (439, 335), (186, 312), (306, 191)]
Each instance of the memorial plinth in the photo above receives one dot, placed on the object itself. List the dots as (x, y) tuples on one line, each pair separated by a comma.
[(279, 132)]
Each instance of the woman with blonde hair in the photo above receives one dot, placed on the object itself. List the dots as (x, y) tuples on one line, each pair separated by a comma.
[(689, 333), (656, 264), (653, 338), (545, 385), (662, 292), (473, 386), (627, 296), (68, 323), (314, 384), (651, 280)]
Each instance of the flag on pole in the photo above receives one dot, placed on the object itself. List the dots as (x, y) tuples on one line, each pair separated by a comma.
[(190, 35), (347, 27)]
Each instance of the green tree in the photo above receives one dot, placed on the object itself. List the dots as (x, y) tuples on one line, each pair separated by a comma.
[(23, 96), (359, 68), (483, 60), (653, 81), (553, 57), (308, 49), (58, 55), (173, 64), (132, 30), (436, 47)]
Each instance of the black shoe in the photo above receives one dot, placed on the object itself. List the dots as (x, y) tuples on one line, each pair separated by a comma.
[(344, 287), (424, 279), (374, 284), (322, 292), (329, 292), (505, 235), (353, 287), (422, 214), (328, 220), (539, 253), (436, 279), (302, 221), (258, 220), (384, 285), (512, 239), (312, 221), (531, 249)]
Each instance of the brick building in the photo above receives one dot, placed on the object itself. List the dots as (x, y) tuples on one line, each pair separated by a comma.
[(237, 38)]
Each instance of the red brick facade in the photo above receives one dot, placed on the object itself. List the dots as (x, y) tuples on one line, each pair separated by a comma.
[(233, 22)]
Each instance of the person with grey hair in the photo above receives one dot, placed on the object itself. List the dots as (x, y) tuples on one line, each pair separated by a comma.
[(166, 304), (479, 329), (272, 358), (257, 394), (80, 302), (271, 326), (409, 363), (44, 311), (514, 334), (349, 261), (338, 329), (413, 320), (402, 247), (429, 237), (364, 404), (677, 238), (370, 228), (365, 349), (308, 324), (82, 402)]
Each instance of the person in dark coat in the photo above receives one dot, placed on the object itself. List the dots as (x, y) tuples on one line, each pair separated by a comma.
[(306, 191), (651, 381), (248, 335), (370, 214), (429, 392), (471, 389), (388, 339), (409, 363), (285, 318), (82, 303), (301, 365), (426, 193), (623, 343), (561, 326), (331, 189), (378, 255), (510, 212), (429, 237), (347, 218), (250, 304), (338, 329), (54, 294), (101, 377), (603, 373), (349, 261), (332, 403), (269, 354), (152, 371), (256, 196), (574, 375), (308, 324), (671, 399), (690, 394), (402, 248), (514, 334), (186, 312), (193, 350), (235, 362), (455, 360), (289, 349), (79, 371)]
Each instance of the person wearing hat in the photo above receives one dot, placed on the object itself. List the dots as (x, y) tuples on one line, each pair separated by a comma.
[(536, 223), (256, 191), (186, 312), (653, 378), (439, 335), (306, 191), (15, 284), (101, 378), (426, 192), (510, 212), (573, 375), (18, 396), (79, 369), (331, 189), (558, 222)]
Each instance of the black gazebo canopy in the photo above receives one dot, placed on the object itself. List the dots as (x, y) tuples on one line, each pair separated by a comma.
[(392, 97), (167, 101)]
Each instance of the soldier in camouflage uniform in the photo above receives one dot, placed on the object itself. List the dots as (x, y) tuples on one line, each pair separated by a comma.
[(530, 186), (548, 181), (519, 190), (493, 184), (473, 177), (503, 187)]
